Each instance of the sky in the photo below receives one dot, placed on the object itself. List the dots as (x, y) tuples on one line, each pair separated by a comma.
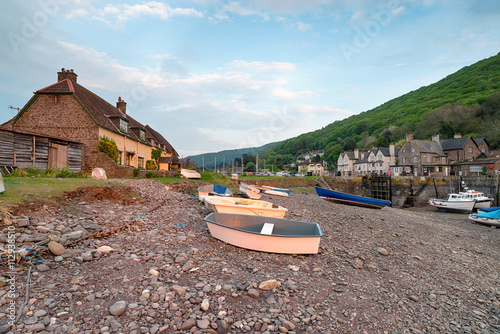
[(211, 75)]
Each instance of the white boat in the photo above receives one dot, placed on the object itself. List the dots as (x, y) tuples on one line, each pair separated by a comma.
[(2, 187), (244, 206), (190, 174), (249, 191), (273, 235), (213, 190), (482, 201), (455, 202), (487, 218), (273, 191)]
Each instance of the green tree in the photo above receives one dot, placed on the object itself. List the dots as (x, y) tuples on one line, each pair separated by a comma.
[(109, 147), (382, 142), (156, 156), (250, 167)]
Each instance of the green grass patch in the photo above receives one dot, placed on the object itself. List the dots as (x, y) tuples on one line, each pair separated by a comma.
[(29, 189)]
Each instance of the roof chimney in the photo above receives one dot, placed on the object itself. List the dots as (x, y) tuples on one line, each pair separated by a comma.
[(436, 138), (392, 150), (66, 74), (457, 135), (356, 153), (122, 105), (409, 137)]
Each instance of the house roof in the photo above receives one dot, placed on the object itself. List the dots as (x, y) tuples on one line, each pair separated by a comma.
[(152, 134), (478, 141), (454, 144), (101, 111), (386, 151), (429, 146)]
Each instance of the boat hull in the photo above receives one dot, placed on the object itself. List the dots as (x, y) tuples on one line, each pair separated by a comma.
[(249, 193), (244, 206), (452, 206), (213, 190), (288, 236), (485, 221), (343, 198)]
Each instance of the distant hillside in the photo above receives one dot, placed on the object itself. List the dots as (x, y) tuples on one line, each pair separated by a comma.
[(228, 155), (467, 102)]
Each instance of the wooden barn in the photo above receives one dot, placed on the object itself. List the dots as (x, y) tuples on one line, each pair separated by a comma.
[(23, 149)]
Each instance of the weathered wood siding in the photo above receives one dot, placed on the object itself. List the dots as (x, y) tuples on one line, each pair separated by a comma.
[(6, 148), (26, 150), (75, 157)]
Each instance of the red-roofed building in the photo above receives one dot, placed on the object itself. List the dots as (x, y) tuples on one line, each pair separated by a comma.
[(68, 110)]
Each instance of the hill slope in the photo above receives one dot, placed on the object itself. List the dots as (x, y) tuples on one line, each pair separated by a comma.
[(467, 101), (209, 159)]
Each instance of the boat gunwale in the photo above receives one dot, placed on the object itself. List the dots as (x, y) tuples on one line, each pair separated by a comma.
[(320, 232)]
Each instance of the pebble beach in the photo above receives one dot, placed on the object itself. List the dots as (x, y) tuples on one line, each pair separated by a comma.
[(140, 259)]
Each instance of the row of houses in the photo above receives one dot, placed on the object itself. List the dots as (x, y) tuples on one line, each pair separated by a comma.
[(457, 156), (67, 116)]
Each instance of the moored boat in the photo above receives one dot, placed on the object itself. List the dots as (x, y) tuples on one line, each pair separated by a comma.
[(249, 191), (455, 202), (491, 218), (482, 201), (190, 174), (213, 190), (343, 198), (283, 190), (273, 235), (244, 206)]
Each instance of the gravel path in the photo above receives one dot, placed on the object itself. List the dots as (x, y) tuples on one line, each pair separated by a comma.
[(160, 271)]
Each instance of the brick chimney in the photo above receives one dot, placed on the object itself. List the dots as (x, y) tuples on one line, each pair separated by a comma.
[(356, 153), (409, 137), (122, 105), (392, 150), (66, 74), (457, 136)]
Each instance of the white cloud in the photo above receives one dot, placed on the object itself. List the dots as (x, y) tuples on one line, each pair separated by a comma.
[(284, 93), (260, 66), (113, 14)]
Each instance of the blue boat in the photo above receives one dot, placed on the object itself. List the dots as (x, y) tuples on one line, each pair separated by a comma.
[(343, 198), (213, 190), (491, 218), (490, 209)]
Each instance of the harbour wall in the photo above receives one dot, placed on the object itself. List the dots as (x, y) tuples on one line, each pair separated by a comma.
[(404, 191)]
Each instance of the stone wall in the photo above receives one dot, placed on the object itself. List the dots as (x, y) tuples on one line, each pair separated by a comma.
[(416, 191), (113, 170)]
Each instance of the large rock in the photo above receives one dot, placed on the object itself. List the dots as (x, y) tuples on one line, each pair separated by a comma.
[(118, 308), (56, 248), (268, 285)]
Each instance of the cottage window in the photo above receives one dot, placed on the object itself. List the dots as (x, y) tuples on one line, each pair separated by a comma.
[(123, 125), (140, 162), (415, 159), (469, 149), (404, 160), (142, 135), (57, 99)]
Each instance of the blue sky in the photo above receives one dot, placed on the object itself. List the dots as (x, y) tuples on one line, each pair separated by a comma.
[(213, 75)]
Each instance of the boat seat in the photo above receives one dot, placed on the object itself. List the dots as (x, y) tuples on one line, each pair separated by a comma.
[(267, 228)]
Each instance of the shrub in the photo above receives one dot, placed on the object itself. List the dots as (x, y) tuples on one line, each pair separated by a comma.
[(109, 147), (49, 172), (151, 165), (136, 172), (150, 175)]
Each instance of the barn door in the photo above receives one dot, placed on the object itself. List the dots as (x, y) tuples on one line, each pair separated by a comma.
[(58, 156)]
